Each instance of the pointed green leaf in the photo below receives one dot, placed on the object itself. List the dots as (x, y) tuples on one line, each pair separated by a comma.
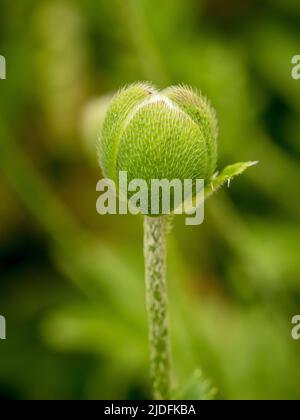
[(196, 388), (226, 176)]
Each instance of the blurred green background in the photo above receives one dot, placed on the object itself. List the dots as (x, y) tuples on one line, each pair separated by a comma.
[(71, 282)]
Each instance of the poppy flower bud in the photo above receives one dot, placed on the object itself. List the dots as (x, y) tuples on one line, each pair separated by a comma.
[(161, 135)]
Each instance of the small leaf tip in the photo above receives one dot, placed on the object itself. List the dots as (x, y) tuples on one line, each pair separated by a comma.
[(253, 163)]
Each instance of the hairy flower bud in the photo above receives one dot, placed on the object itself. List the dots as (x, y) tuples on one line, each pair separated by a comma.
[(169, 134), (159, 135)]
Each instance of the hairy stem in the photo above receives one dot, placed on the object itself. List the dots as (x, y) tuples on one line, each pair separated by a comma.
[(156, 293)]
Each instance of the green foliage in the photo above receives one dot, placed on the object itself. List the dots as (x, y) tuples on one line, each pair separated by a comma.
[(71, 283), (197, 388), (229, 173)]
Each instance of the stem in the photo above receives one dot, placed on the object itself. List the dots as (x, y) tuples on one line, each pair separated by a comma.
[(156, 293)]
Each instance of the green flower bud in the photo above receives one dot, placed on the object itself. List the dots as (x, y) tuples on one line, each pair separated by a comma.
[(169, 135), (159, 135)]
